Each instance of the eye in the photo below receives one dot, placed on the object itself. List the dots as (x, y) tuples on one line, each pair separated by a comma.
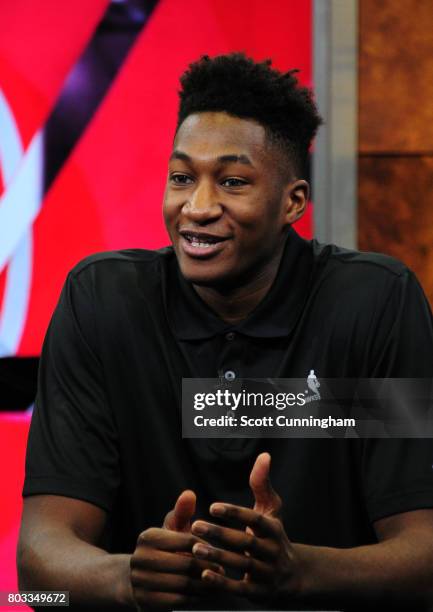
[(233, 182), (180, 179)]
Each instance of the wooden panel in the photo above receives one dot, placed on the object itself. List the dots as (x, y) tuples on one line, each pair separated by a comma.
[(396, 211), (395, 75)]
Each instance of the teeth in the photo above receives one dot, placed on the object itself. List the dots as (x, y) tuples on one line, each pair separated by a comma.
[(201, 244), (197, 243)]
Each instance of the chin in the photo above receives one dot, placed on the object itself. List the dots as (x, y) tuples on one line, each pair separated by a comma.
[(205, 275)]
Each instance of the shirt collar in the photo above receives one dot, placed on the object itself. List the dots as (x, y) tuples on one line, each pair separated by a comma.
[(275, 316)]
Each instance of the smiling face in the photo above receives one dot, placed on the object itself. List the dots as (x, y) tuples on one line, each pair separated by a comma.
[(226, 204)]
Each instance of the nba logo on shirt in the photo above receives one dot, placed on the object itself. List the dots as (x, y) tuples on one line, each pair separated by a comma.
[(312, 394)]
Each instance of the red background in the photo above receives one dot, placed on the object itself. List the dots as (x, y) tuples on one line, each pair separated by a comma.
[(108, 194)]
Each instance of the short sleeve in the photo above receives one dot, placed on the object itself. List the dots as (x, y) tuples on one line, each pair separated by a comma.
[(72, 447), (398, 473), (403, 338)]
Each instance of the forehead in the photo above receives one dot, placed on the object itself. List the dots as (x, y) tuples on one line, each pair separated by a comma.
[(217, 133)]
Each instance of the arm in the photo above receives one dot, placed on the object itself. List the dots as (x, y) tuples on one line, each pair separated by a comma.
[(397, 570), (58, 550)]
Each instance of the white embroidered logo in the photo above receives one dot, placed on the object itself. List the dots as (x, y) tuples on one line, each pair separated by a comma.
[(312, 394)]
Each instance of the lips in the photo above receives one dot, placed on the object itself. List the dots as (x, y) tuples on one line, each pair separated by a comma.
[(201, 244)]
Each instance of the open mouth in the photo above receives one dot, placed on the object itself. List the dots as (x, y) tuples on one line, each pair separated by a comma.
[(201, 239), (201, 244)]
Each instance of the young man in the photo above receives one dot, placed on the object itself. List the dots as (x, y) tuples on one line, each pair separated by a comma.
[(346, 522)]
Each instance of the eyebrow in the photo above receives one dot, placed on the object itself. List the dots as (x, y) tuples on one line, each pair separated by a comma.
[(223, 159)]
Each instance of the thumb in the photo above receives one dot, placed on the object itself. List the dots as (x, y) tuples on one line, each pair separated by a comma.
[(267, 501), (179, 519)]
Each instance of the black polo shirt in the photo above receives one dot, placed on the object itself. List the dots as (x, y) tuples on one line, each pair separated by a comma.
[(107, 423)]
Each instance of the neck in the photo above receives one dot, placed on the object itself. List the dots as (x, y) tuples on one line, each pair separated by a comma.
[(235, 304)]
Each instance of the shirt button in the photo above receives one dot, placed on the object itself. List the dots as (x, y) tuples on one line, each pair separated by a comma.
[(230, 335), (229, 375)]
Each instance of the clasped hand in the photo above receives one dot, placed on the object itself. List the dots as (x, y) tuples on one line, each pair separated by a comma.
[(179, 563), (260, 549)]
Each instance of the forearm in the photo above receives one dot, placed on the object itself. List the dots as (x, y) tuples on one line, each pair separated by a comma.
[(397, 571), (55, 560)]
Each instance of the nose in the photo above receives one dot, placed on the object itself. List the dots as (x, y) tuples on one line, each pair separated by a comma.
[(203, 205)]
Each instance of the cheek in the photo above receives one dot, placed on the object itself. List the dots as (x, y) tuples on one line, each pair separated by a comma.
[(169, 209), (257, 217)]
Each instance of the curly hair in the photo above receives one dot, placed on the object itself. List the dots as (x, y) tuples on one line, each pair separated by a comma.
[(239, 86)]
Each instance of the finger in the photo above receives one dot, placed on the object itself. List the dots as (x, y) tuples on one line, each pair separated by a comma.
[(171, 562), (179, 518), (226, 558), (165, 539), (261, 524), (168, 583), (267, 501), (225, 537), (242, 588), (153, 599)]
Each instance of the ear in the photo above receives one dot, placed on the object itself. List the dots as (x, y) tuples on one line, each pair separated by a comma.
[(297, 194)]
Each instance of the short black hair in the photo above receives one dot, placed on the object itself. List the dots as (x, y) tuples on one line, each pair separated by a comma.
[(242, 87)]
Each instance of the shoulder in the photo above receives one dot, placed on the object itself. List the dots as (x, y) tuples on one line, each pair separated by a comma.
[(356, 273), (125, 263), (350, 261), (112, 287), (363, 282)]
